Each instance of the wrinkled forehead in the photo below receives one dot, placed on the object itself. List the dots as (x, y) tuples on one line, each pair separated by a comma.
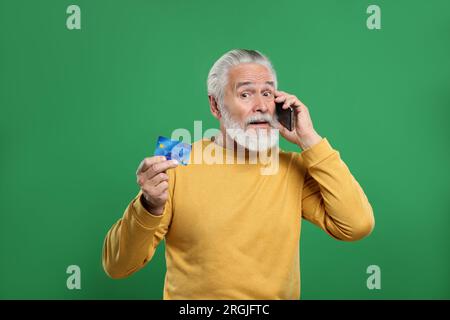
[(250, 74)]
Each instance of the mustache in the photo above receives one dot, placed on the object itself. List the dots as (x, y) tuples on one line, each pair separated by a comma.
[(261, 118)]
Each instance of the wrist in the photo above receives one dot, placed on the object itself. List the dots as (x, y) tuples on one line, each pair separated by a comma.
[(309, 140), (147, 206)]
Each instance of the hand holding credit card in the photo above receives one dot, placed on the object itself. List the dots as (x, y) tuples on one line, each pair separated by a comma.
[(173, 150)]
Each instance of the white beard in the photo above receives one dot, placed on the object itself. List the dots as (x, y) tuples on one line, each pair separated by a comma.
[(253, 139)]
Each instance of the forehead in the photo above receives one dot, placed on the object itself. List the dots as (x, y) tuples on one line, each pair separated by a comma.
[(249, 72)]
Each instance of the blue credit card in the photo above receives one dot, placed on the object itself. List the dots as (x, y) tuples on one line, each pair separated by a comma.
[(173, 150)]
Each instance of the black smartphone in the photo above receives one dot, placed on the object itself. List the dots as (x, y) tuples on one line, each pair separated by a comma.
[(285, 116)]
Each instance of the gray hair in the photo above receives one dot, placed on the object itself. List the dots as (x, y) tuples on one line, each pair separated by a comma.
[(218, 75)]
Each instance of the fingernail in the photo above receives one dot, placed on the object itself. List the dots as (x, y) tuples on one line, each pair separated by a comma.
[(175, 161)]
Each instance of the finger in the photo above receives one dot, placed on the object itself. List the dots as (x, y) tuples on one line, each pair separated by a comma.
[(162, 166), (302, 108), (300, 104), (157, 179), (297, 103), (161, 188), (144, 180), (147, 162), (290, 102), (158, 192), (280, 98)]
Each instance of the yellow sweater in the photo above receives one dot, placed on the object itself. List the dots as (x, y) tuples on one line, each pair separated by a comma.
[(232, 233)]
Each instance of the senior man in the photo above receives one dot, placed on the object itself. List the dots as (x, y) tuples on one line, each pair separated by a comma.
[(230, 231)]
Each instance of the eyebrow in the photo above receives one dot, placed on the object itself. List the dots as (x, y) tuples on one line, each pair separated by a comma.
[(246, 83)]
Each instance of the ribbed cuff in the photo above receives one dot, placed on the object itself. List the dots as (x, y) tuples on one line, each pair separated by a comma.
[(317, 153), (145, 217)]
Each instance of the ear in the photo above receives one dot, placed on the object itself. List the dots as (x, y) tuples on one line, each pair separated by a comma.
[(214, 108)]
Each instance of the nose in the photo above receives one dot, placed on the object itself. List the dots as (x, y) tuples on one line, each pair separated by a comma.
[(260, 105)]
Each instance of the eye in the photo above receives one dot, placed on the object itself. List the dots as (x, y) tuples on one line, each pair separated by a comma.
[(267, 94), (245, 94)]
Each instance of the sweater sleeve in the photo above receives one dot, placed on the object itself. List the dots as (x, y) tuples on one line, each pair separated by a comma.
[(131, 242), (332, 198)]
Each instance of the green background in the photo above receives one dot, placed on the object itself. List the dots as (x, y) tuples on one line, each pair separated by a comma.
[(81, 108)]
